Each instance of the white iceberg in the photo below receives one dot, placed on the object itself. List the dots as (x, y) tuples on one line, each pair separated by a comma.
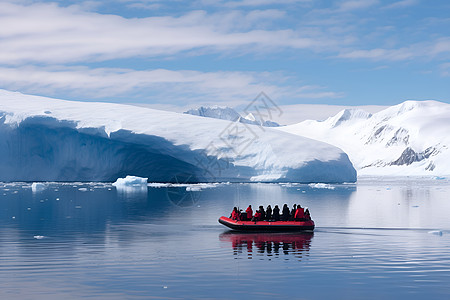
[(38, 187), (87, 141), (436, 232), (193, 189), (321, 186), (131, 185), (131, 181)]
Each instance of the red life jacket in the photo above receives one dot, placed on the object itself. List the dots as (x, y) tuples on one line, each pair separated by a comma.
[(234, 215), (249, 212), (257, 215), (299, 213)]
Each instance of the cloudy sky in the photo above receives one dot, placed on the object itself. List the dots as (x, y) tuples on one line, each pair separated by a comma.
[(187, 53)]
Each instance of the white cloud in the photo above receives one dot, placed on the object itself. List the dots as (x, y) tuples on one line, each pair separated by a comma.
[(445, 69), (379, 54), (249, 3), (350, 5), (166, 86), (401, 4), (51, 34), (148, 6), (441, 46), (424, 50)]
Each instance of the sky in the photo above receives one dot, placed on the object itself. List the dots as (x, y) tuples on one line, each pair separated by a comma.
[(216, 52)]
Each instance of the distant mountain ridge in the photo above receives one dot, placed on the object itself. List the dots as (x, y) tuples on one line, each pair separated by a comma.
[(228, 113), (411, 138)]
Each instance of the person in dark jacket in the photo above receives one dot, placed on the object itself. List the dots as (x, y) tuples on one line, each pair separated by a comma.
[(262, 212), (294, 209), (276, 213), (269, 212), (286, 213), (307, 214)]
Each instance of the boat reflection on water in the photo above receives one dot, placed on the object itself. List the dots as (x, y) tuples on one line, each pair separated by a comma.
[(269, 245)]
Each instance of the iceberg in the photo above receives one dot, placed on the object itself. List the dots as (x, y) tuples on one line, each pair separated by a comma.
[(131, 185), (45, 139), (38, 187), (321, 186), (131, 181)]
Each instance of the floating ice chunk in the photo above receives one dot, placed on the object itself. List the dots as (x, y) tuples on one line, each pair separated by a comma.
[(131, 181), (188, 186), (206, 185), (83, 189), (436, 232), (38, 187), (193, 189), (158, 185), (131, 184), (38, 237), (321, 186), (439, 178)]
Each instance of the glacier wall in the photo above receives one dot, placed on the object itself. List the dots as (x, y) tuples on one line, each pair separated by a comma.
[(47, 149), (44, 139)]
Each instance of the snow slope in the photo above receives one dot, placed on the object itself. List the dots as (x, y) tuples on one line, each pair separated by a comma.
[(411, 138), (43, 139), (227, 113)]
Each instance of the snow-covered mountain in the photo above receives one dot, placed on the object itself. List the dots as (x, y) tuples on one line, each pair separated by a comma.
[(227, 113), (43, 139), (412, 138)]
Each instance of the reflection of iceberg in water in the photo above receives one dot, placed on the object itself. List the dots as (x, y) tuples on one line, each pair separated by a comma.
[(133, 190), (269, 245)]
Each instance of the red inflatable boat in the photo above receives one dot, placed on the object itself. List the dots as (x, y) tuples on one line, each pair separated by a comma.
[(267, 226)]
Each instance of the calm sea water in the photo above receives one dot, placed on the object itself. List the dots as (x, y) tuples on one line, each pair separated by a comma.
[(376, 239)]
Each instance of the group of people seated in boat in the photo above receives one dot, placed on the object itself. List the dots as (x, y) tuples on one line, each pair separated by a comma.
[(297, 213)]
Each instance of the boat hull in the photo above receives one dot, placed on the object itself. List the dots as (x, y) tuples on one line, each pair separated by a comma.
[(267, 226)]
